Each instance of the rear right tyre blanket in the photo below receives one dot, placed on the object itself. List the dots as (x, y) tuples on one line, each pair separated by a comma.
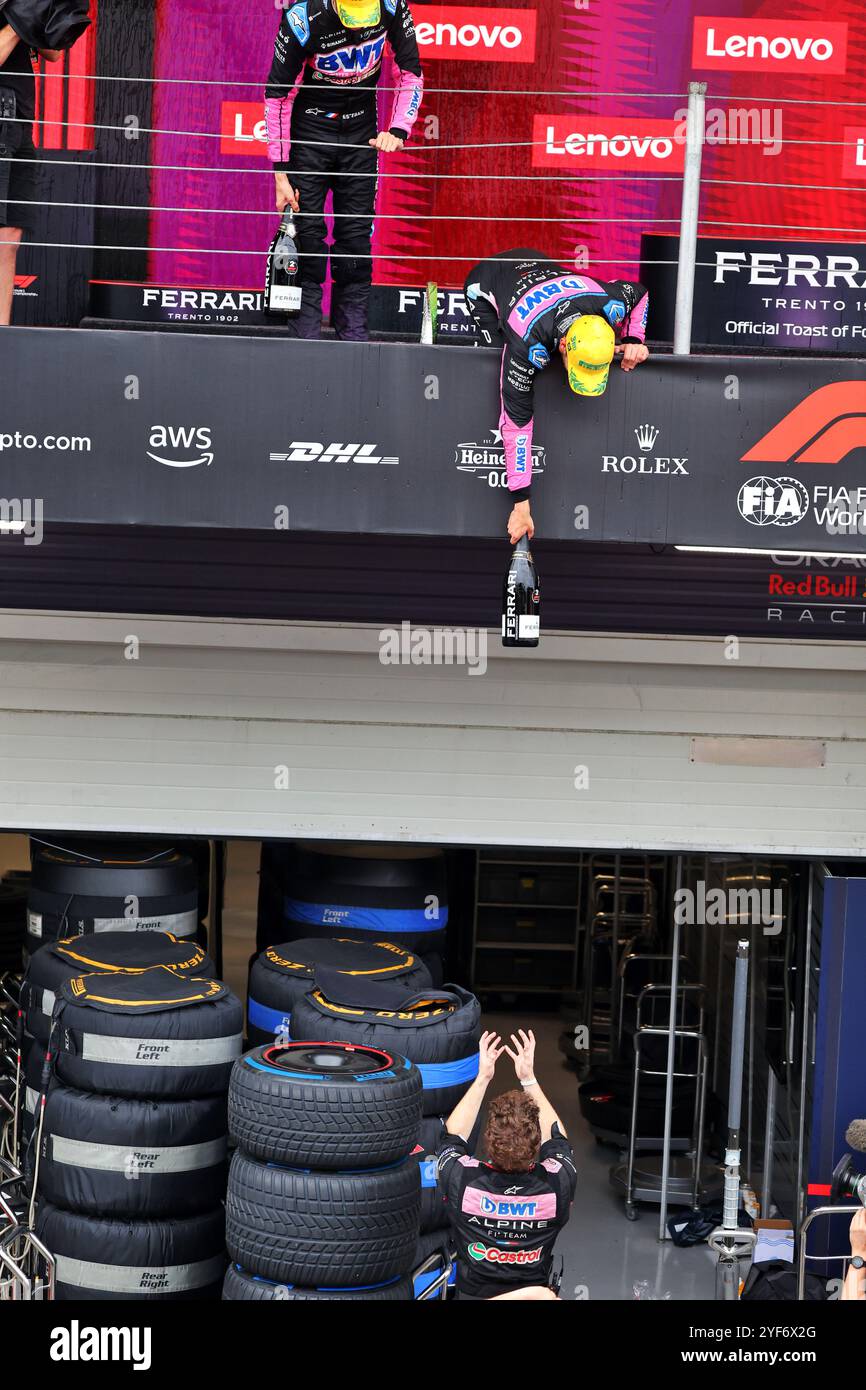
[(153, 1034), (111, 1156), (73, 893), (395, 892), (323, 1229), (182, 1258), (325, 1105), (97, 953), (283, 974), (438, 1030), (242, 1287)]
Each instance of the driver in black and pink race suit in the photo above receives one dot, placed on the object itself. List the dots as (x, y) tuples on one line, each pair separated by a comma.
[(542, 309), (323, 135)]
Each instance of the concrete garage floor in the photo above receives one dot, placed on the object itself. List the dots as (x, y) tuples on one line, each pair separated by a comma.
[(604, 1254)]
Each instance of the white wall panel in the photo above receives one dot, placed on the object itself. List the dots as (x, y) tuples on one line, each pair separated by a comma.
[(187, 738)]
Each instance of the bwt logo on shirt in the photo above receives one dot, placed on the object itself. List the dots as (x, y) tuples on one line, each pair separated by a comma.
[(502, 1207), (489, 35), (585, 142), (364, 58), (758, 45)]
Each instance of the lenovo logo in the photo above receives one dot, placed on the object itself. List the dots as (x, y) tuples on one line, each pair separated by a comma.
[(854, 152), (607, 142), (824, 428), (758, 45), (243, 129), (488, 35)]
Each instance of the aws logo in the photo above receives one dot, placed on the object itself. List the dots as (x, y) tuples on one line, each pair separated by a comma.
[(824, 428), (178, 442)]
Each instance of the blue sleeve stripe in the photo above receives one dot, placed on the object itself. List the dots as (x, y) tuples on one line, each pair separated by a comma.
[(267, 1020)]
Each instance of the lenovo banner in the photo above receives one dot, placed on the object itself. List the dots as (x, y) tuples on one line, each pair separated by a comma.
[(801, 295), (235, 432)]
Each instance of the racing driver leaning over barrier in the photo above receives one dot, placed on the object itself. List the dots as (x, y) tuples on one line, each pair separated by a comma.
[(323, 134), (541, 308), (506, 1214)]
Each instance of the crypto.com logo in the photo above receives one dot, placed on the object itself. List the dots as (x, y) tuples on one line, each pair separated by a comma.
[(824, 428)]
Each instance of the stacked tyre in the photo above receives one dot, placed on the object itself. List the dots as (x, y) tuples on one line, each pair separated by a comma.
[(439, 1029), (13, 924), (283, 974), (323, 1198), (395, 893), (129, 1152), (77, 891), (107, 952)]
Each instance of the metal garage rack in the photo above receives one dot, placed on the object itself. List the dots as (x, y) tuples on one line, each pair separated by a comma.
[(27, 1269), (822, 1212)]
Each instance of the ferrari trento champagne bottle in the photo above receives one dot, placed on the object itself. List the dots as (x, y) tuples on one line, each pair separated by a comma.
[(282, 295), (521, 620)]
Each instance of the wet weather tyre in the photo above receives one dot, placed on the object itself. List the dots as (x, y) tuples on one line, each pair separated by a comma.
[(241, 1287), (181, 1258), (325, 1105), (323, 1229)]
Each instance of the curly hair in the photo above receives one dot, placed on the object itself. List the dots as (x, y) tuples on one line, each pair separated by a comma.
[(512, 1134)]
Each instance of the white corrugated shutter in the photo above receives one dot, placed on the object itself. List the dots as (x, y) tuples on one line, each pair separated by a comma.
[(192, 737)]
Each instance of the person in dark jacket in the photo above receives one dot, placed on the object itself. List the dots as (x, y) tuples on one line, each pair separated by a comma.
[(506, 1213)]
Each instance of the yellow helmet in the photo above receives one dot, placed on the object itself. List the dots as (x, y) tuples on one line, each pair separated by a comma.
[(359, 14), (589, 345)]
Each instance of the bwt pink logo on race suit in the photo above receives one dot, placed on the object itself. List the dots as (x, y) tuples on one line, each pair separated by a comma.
[(347, 64), (607, 142), (489, 35), (764, 45)]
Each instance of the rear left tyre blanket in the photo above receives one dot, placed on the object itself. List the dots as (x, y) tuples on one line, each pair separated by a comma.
[(325, 1105), (152, 1034), (112, 1156), (181, 1258), (323, 1229), (438, 1031), (100, 953), (397, 893), (74, 893), (242, 1287), (283, 974)]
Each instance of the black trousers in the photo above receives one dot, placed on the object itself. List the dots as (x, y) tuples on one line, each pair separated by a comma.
[(333, 163)]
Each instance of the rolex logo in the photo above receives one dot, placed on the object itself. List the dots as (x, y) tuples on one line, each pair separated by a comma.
[(646, 436)]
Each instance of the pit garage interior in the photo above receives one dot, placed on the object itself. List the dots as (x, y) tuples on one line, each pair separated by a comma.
[(570, 796)]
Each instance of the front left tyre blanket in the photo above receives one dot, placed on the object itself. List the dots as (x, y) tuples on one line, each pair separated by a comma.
[(112, 1156), (153, 1034), (323, 1229), (325, 1105), (283, 974), (438, 1029), (181, 1258), (242, 1287), (101, 952), (73, 893)]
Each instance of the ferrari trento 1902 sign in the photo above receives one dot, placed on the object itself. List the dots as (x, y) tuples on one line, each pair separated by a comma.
[(751, 453)]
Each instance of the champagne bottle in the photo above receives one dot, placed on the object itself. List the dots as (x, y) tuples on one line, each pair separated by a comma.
[(521, 622), (282, 295)]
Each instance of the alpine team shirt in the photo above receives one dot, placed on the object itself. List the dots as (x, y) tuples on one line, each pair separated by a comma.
[(505, 1224)]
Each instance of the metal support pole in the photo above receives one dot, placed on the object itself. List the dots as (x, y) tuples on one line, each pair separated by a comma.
[(769, 1135), (695, 125), (729, 1241), (672, 1042)]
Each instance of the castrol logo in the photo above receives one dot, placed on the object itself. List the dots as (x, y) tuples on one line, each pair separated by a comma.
[(742, 45)]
